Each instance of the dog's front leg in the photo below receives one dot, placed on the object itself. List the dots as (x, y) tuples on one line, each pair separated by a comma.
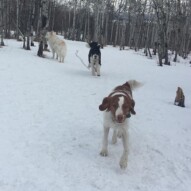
[(93, 69), (98, 69), (53, 54), (124, 157), (104, 150), (59, 58), (114, 137)]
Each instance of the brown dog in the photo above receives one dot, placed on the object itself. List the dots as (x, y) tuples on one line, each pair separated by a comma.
[(180, 98)]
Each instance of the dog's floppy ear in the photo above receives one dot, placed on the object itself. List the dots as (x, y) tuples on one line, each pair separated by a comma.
[(132, 107), (93, 44), (105, 104), (90, 44)]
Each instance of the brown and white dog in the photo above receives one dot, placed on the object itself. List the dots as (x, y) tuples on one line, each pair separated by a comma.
[(180, 98), (118, 107)]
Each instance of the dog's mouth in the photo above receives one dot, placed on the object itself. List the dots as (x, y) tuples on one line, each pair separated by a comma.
[(120, 122), (120, 118)]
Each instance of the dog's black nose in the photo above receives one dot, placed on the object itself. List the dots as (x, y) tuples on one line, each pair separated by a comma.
[(95, 56)]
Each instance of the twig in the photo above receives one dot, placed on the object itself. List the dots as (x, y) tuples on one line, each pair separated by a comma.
[(81, 60)]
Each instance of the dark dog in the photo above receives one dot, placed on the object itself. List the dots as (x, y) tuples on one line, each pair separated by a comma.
[(180, 98), (94, 49), (94, 58)]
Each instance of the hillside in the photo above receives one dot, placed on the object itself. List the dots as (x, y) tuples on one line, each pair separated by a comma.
[(51, 127)]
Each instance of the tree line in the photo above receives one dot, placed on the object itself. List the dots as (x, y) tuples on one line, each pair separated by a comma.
[(157, 26)]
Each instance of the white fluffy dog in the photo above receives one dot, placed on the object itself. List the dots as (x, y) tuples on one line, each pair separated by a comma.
[(57, 45)]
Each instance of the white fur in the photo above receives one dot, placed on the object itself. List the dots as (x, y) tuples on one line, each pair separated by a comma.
[(119, 110), (57, 46), (134, 84), (121, 93), (94, 64)]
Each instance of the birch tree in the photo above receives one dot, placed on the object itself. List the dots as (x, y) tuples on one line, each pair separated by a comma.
[(74, 20), (44, 23), (96, 20), (162, 11), (2, 22), (17, 20)]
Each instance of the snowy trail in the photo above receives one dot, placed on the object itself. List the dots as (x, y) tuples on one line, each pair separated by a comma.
[(51, 128)]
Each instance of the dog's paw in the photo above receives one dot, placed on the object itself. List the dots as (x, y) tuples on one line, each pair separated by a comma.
[(104, 153), (123, 162)]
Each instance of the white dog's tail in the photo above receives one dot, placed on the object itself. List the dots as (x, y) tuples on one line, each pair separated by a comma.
[(134, 84)]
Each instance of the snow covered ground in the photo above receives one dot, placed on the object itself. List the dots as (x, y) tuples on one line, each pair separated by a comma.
[(51, 127)]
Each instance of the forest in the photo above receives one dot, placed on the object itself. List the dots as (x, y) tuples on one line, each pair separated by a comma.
[(159, 27)]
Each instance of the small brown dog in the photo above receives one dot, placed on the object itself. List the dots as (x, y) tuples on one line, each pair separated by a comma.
[(180, 98)]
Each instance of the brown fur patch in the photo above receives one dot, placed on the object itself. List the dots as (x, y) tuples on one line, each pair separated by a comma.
[(180, 98)]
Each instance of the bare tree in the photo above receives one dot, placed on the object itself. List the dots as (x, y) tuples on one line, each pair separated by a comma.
[(2, 23), (74, 20), (162, 11), (96, 20), (44, 25), (159, 24), (17, 21)]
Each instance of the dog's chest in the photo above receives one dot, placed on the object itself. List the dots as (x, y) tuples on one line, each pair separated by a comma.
[(94, 59), (110, 122)]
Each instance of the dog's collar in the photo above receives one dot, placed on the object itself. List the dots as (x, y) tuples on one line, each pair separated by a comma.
[(121, 92)]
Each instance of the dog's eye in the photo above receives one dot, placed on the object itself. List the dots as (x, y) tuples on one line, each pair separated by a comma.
[(125, 106)]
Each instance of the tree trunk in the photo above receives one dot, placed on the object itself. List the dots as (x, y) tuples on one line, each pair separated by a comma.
[(162, 14), (96, 25), (17, 21), (2, 22), (74, 22), (116, 33), (106, 29), (44, 25), (111, 37), (122, 42)]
